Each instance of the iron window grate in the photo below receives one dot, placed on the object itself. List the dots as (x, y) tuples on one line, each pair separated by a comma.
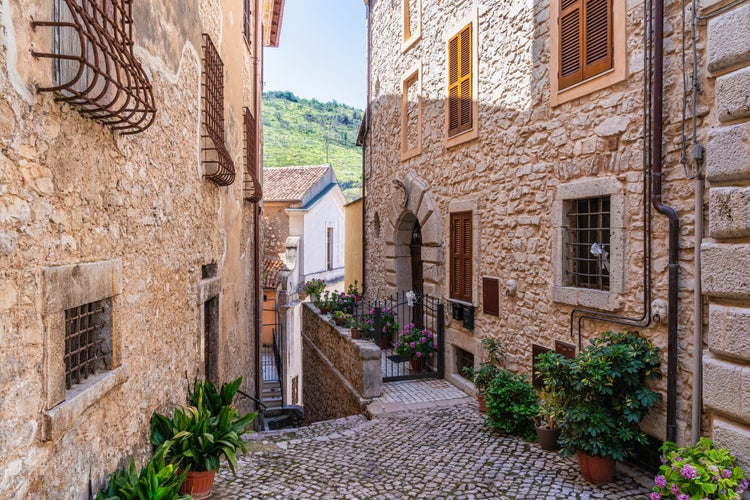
[(94, 66), (216, 158), (588, 243), (252, 188), (85, 334)]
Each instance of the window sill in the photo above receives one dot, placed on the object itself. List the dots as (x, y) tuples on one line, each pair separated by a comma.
[(467, 136), (61, 418), (583, 297)]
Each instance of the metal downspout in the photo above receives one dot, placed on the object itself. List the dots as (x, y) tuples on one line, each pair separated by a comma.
[(671, 213), (256, 206), (364, 144)]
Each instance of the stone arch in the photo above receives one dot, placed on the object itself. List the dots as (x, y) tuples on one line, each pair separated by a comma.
[(412, 202)]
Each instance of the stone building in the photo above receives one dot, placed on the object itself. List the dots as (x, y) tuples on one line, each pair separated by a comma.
[(129, 198), (522, 165)]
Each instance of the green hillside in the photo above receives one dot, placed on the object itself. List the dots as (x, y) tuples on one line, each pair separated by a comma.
[(300, 131)]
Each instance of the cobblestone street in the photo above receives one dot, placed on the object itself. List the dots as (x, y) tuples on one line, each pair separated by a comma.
[(431, 446)]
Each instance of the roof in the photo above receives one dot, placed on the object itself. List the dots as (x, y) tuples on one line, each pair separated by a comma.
[(271, 269), (291, 183), (273, 11)]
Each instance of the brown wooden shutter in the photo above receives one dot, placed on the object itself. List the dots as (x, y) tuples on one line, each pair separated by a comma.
[(460, 73), (461, 262), (598, 29), (571, 42), (585, 40)]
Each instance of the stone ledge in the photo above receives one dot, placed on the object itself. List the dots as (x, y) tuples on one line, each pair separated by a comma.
[(61, 418), (726, 270), (73, 285)]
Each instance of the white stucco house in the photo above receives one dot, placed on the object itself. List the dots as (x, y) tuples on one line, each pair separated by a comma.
[(306, 202)]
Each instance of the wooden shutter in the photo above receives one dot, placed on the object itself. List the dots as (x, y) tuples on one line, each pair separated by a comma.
[(460, 74), (585, 40), (461, 250)]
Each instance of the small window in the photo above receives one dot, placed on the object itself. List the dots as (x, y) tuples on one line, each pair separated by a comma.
[(248, 22), (464, 360), (411, 114), (217, 162), (461, 106), (329, 248), (252, 188), (88, 341), (587, 249), (461, 256), (412, 23)]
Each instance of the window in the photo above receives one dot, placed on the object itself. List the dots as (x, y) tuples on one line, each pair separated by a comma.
[(588, 46), (462, 108), (464, 361), (81, 348), (329, 248), (411, 114), (217, 162), (252, 187), (587, 243), (412, 23), (88, 340), (248, 22), (588, 246), (461, 256)]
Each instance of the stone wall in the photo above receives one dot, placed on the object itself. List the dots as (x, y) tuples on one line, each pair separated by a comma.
[(340, 374), (725, 251), (275, 228), (133, 212), (510, 175)]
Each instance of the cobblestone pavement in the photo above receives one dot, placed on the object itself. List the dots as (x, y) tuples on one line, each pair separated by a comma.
[(434, 446)]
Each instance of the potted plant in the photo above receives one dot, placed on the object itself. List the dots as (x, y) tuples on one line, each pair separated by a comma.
[(354, 291), (416, 345), (200, 434), (607, 399), (156, 479), (552, 400), (355, 327), (323, 302), (313, 288), (701, 471), (511, 402), (482, 378), (340, 317)]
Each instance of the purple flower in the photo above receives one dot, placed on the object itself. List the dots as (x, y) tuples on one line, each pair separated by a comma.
[(663, 460), (655, 496), (683, 496), (429, 335), (675, 489), (419, 355), (726, 473), (413, 345), (742, 486), (430, 354), (423, 340), (660, 481), (384, 330), (688, 472), (713, 469)]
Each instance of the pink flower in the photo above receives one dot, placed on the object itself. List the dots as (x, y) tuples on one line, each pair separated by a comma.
[(675, 489), (423, 340), (413, 345), (688, 472), (429, 335), (655, 496), (660, 481), (419, 354), (726, 473)]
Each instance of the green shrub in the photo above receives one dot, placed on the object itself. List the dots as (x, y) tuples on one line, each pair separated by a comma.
[(511, 404)]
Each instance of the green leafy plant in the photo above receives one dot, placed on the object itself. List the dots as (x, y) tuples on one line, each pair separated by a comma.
[(388, 323), (482, 376), (354, 291), (702, 471), (415, 342), (313, 287), (200, 434), (605, 387), (340, 317), (494, 350), (555, 392), (155, 480), (511, 403)]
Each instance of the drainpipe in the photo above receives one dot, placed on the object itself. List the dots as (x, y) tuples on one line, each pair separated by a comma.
[(671, 213), (367, 118), (257, 77)]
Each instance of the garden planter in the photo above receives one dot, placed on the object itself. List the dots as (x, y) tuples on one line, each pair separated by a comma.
[(198, 484), (482, 400), (384, 340), (415, 364), (548, 438), (356, 333), (323, 310), (339, 321), (597, 470)]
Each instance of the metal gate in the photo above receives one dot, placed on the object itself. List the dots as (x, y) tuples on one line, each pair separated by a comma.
[(384, 320)]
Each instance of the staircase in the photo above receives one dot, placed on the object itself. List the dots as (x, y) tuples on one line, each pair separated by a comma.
[(276, 415)]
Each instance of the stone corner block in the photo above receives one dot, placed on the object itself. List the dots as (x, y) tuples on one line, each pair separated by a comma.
[(729, 212), (733, 436), (732, 96), (728, 153), (730, 326), (722, 387), (725, 270), (729, 39)]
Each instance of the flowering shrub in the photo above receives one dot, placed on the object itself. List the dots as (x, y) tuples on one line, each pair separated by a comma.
[(313, 287), (388, 322), (413, 342), (700, 472)]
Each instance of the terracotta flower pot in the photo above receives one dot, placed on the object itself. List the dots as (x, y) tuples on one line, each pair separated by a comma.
[(548, 438), (356, 333), (198, 484), (482, 400), (384, 341), (415, 364), (597, 470)]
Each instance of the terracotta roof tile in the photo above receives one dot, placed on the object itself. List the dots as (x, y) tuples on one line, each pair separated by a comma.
[(271, 268), (291, 183)]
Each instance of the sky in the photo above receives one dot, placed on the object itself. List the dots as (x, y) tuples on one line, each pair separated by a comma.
[(322, 52)]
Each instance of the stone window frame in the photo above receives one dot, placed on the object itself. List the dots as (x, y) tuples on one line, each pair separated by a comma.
[(66, 287), (605, 79), (410, 39), (412, 77), (472, 19), (467, 205), (608, 300)]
